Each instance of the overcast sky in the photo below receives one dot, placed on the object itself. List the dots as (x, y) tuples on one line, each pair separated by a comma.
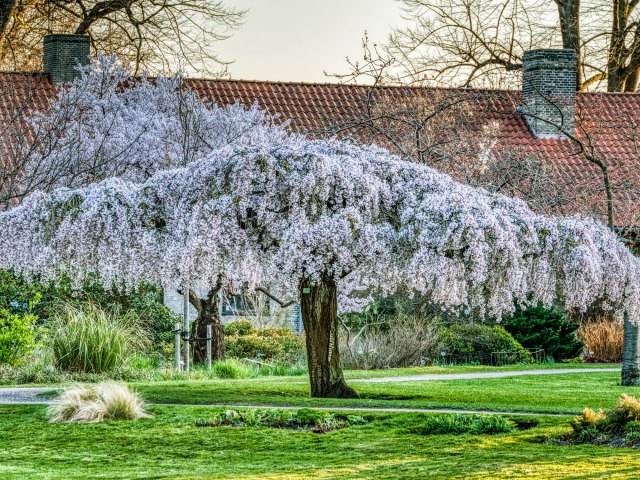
[(296, 40)]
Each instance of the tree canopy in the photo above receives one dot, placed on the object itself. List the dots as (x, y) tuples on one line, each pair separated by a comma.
[(297, 210), (140, 180), (483, 41), (152, 35)]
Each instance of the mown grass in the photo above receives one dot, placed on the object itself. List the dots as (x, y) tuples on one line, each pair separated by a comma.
[(42, 374), (170, 446), (567, 393), (448, 369)]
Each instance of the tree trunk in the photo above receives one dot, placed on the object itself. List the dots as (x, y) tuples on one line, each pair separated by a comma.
[(631, 360), (631, 83), (7, 8), (320, 318), (207, 309), (569, 13), (619, 55)]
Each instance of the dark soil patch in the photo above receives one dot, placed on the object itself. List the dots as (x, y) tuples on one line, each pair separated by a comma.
[(521, 424)]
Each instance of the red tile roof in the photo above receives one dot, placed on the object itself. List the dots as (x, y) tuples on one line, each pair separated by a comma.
[(607, 117), (610, 118)]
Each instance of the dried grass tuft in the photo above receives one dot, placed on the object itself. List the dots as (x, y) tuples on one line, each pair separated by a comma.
[(96, 403), (603, 339)]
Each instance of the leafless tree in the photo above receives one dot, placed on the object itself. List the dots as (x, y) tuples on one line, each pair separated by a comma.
[(468, 42), (152, 34)]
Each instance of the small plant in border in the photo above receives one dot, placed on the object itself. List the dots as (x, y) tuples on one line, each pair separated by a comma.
[(457, 423), (316, 421), (619, 426)]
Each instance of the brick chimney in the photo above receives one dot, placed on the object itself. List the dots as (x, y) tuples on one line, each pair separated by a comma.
[(62, 54), (549, 91)]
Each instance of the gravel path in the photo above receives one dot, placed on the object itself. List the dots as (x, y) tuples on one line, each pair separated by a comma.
[(31, 395), (24, 395), (471, 376)]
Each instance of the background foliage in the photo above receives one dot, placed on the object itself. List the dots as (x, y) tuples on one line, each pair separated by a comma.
[(549, 329)]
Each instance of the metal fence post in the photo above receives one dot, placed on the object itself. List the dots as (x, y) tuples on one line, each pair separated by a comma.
[(177, 332), (209, 339), (185, 333)]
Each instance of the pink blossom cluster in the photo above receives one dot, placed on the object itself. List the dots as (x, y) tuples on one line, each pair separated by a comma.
[(286, 209), (110, 124)]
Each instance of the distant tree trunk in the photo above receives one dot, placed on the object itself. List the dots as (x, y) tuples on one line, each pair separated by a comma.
[(569, 13), (6, 10), (624, 49), (320, 317), (631, 83), (631, 359), (207, 309)]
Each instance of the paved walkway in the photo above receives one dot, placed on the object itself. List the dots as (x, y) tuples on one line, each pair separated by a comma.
[(24, 395), (471, 376), (31, 395)]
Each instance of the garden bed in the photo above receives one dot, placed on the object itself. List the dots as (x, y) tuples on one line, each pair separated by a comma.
[(304, 419)]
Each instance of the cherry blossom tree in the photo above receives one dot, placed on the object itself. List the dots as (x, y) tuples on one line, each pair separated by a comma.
[(336, 222), (110, 124)]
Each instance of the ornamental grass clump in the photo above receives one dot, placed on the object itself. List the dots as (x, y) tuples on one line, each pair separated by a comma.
[(96, 403), (88, 339), (603, 340), (232, 369)]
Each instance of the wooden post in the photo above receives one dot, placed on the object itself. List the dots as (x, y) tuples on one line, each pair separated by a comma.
[(209, 336), (177, 333), (185, 313)]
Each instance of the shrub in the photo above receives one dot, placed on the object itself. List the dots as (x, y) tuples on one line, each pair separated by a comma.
[(239, 327), (632, 426), (456, 423), (591, 435), (18, 296), (619, 425), (91, 340), (17, 336), (279, 369), (36, 370), (105, 401), (588, 420), (632, 438), (548, 329), (475, 342), (21, 297), (627, 410), (403, 341), (603, 340), (244, 340)]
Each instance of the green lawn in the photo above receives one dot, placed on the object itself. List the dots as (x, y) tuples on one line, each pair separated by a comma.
[(393, 372), (170, 446), (568, 393), (154, 375)]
